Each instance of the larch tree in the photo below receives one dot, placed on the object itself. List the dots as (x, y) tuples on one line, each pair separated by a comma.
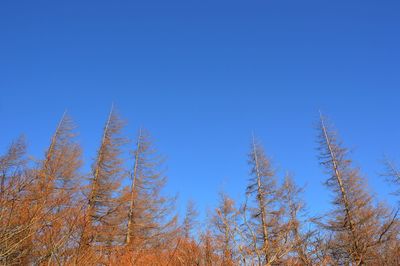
[(295, 210), (393, 175), (100, 223), (207, 257), (190, 220), (266, 229), (58, 184), (150, 224), (16, 223), (224, 224), (359, 227), (11, 163), (118, 214), (391, 251), (189, 247)]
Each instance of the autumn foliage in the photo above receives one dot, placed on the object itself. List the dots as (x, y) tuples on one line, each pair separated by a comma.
[(53, 213)]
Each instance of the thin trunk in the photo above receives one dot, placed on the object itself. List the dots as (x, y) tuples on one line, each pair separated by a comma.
[(46, 183), (338, 177), (2, 186), (227, 249), (94, 186), (261, 203), (132, 199)]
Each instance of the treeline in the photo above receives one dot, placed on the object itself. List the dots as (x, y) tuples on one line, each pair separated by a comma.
[(53, 214)]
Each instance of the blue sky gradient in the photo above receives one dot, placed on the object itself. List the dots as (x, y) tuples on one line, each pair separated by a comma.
[(201, 76)]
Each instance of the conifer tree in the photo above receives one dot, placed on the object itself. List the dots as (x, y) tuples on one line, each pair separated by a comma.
[(300, 237), (224, 222), (100, 224), (189, 222), (359, 226), (11, 163), (267, 231), (393, 175), (150, 221), (16, 225), (58, 181)]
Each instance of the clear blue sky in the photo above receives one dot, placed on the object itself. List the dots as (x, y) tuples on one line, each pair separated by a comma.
[(202, 75)]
